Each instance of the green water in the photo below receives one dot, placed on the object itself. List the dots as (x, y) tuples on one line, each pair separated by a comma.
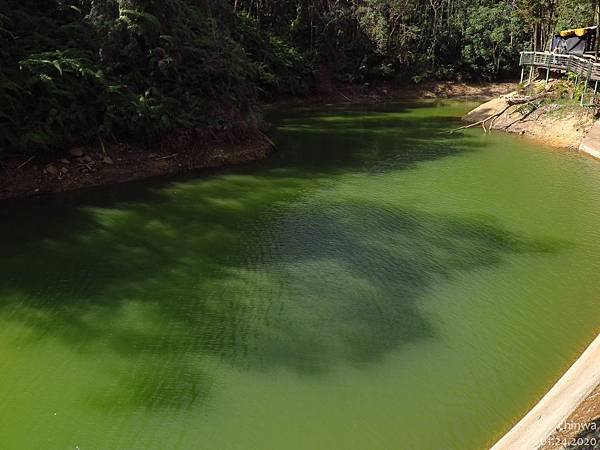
[(377, 284)]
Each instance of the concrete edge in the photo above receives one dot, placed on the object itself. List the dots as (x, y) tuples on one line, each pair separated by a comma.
[(589, 150), (557, 405)]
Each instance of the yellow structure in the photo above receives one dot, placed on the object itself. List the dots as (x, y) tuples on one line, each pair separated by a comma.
[(576, 32)]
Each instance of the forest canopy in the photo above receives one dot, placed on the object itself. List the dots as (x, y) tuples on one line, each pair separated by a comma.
[(75, 70)]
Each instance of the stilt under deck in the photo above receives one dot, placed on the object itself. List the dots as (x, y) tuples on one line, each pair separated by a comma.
[(587, 69)]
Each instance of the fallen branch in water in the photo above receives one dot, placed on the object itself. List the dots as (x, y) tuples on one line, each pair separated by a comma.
[(343, 95), (511, 101), (481, 122), (494, 117)]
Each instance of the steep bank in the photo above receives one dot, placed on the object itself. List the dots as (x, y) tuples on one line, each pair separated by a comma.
[(102, 165), (556, 124)]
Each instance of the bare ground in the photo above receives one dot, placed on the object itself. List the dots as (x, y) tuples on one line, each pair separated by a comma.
[(553, 124), (110, 164)]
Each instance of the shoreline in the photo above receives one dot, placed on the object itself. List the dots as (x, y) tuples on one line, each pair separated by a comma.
[(536, 430), (104, 165), (388, 92), (570, 397), (551, 124), (579, 423), (573, 402), (189, 151)]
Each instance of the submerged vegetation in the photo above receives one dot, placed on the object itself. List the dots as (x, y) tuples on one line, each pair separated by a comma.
[(72, 71)]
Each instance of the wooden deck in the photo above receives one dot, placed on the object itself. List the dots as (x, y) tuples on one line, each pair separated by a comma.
[(586, 68)]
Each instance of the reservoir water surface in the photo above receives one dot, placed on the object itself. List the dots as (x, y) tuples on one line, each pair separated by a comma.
[(378, 283)]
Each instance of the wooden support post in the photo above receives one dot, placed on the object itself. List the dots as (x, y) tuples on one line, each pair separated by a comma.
[(530, 74), (547, 74), (587, 81), (597, 17), (522, 74)]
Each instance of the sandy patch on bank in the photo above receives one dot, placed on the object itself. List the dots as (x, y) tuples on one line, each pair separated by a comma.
[(550, 124)]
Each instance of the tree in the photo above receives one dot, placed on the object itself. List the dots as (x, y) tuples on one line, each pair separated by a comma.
[(493, 38)]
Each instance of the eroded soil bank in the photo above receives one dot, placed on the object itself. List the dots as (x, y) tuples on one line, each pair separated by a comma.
[(102, 164), (557, 124)]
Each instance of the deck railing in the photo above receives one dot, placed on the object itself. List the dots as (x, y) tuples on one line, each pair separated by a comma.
[(555, 61)]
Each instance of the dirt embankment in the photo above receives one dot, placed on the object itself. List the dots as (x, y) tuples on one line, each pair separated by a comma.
[(103, 164), (554, 124)]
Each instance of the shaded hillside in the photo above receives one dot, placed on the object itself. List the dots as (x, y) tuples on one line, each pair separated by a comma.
[(76, 71)]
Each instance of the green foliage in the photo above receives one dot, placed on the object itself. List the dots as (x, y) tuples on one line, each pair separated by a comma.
[(279, 67), (491, 34), (73, 70), (576, 85), (574, 14), (397, 39)]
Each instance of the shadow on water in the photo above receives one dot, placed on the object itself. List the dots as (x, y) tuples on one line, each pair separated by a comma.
[(240, 269), (349, 139)]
